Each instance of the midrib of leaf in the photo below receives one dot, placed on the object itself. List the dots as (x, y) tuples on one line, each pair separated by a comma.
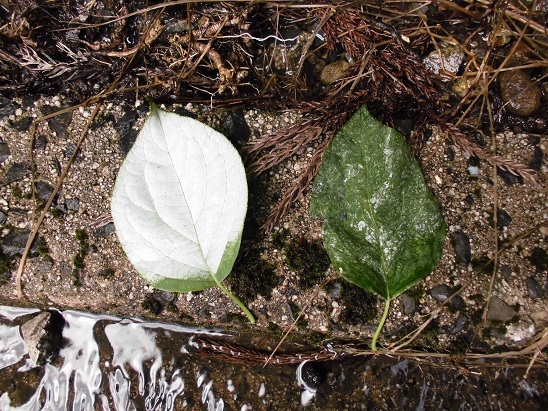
[(194, 221), (371, 212), (211, 274), (369, 207)]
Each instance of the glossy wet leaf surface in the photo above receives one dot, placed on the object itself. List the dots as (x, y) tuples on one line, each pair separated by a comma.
[(382, 227)]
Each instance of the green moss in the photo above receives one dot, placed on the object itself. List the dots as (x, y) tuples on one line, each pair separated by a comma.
[(82, 238), (251, 276), (78, 260), (43, 248), (6, 266), (314, 338), (16, 192), (185, 318), (428, 338), (475, 315), (459, 346), (416, 293), (236, 318), (497, 327), (107, 273), (479, 298), (56, 213), (76, 277), (483, 264), (279, 238), (308, 259), (360, 306), (152, 305), (274, 328)]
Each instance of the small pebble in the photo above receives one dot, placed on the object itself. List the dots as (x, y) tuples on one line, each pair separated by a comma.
[(15, 173), (520, 95), (73, 204), (500, 311), (43, 190), (533, 288), (5, 152), (473, 171), (408, 304), (461, 245)]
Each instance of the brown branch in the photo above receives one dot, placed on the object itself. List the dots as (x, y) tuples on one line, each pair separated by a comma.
[(60, 181), (296, 190), (506, 164), (284, 143)]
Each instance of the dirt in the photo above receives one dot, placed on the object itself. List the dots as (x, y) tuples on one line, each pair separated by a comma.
[(105, 281)]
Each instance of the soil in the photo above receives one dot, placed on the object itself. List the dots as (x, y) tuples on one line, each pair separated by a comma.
[(84, 269)]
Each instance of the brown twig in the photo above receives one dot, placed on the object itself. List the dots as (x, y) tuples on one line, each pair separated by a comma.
[(296, 190), (60, 181), (93, 100), (301, 313), (506, 164), (240, 354)]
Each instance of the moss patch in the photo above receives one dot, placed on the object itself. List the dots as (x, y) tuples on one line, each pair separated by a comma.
[(152, 305), (6, 265), (252, 276), (78, 260), (360, 306), (428, 338), (82, 238), (279, 238), (308, 259), (416, 293), (460, 345), (483, 264), (107, 273)]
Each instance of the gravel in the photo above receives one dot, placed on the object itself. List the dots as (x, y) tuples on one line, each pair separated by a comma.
[(466, 202)]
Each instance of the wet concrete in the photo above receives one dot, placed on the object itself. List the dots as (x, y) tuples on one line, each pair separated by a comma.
[(100, 362)]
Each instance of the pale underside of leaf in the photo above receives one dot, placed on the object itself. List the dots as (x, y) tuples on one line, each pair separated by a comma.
[(179, 203), (382, 226)]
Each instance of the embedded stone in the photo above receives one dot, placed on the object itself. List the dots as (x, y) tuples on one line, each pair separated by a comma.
[(408, 304), (15, 173), (7, 107), (520, 95), (499, 310), (4, 152), (334, 71), (43, 190), (461, 245)]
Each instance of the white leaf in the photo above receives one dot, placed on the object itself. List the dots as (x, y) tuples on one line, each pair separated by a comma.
[(179, 203)]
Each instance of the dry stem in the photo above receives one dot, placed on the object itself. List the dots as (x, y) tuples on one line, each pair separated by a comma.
[(36, 227)]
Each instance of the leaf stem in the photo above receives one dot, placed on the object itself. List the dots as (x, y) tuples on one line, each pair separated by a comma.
[(381, 324), (237, 301)]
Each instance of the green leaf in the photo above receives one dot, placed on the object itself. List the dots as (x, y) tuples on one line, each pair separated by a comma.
[(179, 204), (382, 227)]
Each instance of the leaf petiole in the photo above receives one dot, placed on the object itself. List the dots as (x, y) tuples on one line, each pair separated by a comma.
[(237, 301), (381, 324)]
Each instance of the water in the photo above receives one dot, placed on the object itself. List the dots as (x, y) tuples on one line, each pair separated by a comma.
[(101, 362)]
